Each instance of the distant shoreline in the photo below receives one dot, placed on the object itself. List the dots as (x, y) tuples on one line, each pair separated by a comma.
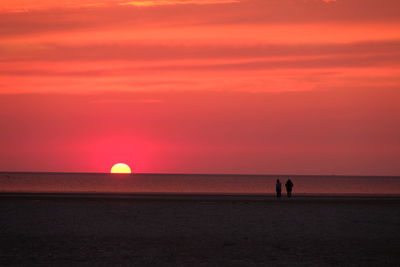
[(188, 186), (202, 174), (192, 197)]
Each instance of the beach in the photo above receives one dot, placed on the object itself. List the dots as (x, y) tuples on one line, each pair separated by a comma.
[(60, 230)]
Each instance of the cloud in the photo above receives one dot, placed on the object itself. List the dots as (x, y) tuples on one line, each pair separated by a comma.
[(154, 52), (128, 101), (328, 62), (313, 63), (26, 6), (64, 17), (148, 3), (208, 67)]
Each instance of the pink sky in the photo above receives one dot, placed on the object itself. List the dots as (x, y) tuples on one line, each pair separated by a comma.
[(201, 86)]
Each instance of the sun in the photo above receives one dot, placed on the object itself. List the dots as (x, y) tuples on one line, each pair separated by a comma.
[(120, 168)]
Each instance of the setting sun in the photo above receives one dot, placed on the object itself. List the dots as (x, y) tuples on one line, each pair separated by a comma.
[(120, 168)]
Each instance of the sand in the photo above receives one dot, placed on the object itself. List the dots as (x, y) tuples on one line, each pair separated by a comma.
[(199, 232)]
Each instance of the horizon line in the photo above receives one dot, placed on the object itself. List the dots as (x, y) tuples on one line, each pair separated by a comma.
[(199, 174)]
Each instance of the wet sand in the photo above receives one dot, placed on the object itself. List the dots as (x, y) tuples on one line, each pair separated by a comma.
[(202, 231)]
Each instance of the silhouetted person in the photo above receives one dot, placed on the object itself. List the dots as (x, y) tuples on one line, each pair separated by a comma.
[(289, 186), (278, 188)]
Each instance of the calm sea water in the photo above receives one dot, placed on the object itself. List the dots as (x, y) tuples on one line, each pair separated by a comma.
[(189, 183)]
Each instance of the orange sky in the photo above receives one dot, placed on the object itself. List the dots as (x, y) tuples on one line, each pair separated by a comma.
[(204, 86)]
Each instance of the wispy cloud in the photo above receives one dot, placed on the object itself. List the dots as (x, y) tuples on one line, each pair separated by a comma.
[(64, 16), (11, 6), (159, 52), (25, 6), (146, 3)]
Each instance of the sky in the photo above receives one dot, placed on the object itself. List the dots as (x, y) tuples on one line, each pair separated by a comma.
[(201, 86)]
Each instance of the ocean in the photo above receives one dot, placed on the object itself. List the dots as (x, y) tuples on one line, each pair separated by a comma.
[(195, 183)]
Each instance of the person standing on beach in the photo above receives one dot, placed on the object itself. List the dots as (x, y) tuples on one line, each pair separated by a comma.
[(289, 186), (278, 188)]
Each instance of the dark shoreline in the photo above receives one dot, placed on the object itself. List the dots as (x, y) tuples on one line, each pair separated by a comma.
[(97, 229)]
